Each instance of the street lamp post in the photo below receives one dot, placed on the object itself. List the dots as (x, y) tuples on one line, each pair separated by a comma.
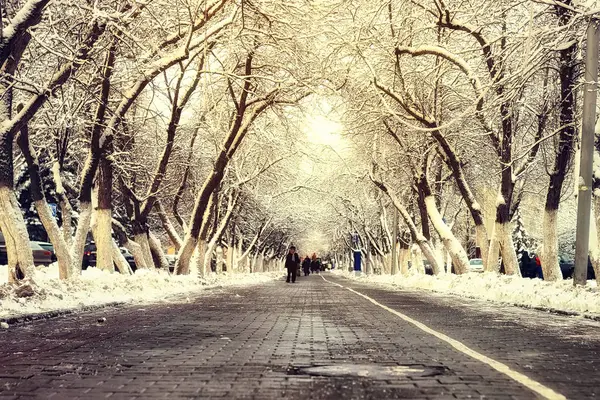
[(394, 243), (584, 201)]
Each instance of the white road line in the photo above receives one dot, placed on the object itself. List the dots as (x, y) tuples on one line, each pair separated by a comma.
[(524, 380)]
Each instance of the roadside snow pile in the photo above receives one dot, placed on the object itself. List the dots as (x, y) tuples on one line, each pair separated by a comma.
[(96, 287), (561, 295)]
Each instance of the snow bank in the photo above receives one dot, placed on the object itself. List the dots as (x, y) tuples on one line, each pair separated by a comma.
[(96, 287), (490, 286)]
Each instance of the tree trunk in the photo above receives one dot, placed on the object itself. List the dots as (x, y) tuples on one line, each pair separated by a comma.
[(239, 128), (220, 260), (15, 232), (452, 245), (501, 237), (566, 138), (418, 237), (103, 223), (459, 257), (41, 205), (423, 215), (168, 226), (200, 260), (417, 260), (549, 257), (120, 261), (141, 238), (83, 228), (65, 205), (158, 252), (595, 239)]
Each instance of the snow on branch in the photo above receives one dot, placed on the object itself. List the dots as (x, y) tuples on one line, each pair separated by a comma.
[(29, 15), (447, 55), (14, 125)]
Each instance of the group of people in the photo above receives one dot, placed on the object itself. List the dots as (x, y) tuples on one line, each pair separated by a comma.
[(293, 265), (531, 266)]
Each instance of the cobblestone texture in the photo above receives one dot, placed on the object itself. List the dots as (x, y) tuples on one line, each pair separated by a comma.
[(252, 343)]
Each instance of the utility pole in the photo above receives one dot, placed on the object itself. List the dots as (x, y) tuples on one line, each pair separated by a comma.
[(584, 201), (394, 243)]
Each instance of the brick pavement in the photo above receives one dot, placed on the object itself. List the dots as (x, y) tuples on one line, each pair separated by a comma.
[(253, 342), (559, 351)]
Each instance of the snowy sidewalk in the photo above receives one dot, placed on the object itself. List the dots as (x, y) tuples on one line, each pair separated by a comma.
[(96, 288), (308, 340), (559, 296)]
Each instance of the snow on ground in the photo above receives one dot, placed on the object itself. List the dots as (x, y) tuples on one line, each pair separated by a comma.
[(96, 287), (506, 289)]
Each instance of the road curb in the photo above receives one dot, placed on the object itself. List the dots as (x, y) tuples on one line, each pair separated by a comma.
[(24, 318)]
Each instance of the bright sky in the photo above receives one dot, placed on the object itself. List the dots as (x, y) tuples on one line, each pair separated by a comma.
[(322, 130)]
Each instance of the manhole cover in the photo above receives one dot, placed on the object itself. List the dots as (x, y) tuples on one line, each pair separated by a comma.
[(371, 371)]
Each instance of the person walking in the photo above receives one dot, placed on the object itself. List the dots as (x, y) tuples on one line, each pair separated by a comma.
[(306, 265), (292, 261), (314, 264)]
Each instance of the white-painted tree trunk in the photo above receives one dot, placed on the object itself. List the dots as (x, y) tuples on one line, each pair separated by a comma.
[(507, 249), (254, 262), (237, 266), (63, 254), (594, 251), (142, 240), (262, 262), (10, 250), (417, 266), (168, 227), (78, 245), (137, 253), (229, 258), (403, 259), (481, 239), (65, 206), (102, 231), (549, 256), (157, 249), (15, 232), (220, 259), (387, 264), (120, 261), (454, 247), (201, 258), (182, 266), (493, 251)]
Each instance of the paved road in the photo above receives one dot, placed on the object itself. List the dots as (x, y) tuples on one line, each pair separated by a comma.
[(309, 340)]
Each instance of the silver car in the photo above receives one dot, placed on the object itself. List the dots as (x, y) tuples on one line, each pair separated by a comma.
[(41, 256)]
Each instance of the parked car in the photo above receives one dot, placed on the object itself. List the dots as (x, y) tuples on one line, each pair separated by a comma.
[(49, 247), (172, 259), (476, 265), (428, 267), (41, 256), (89, 255)]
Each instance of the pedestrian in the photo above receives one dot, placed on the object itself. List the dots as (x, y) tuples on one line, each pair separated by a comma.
[(306, 265), (538, 268), (292, 261), (528, 265), (314, 264)]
